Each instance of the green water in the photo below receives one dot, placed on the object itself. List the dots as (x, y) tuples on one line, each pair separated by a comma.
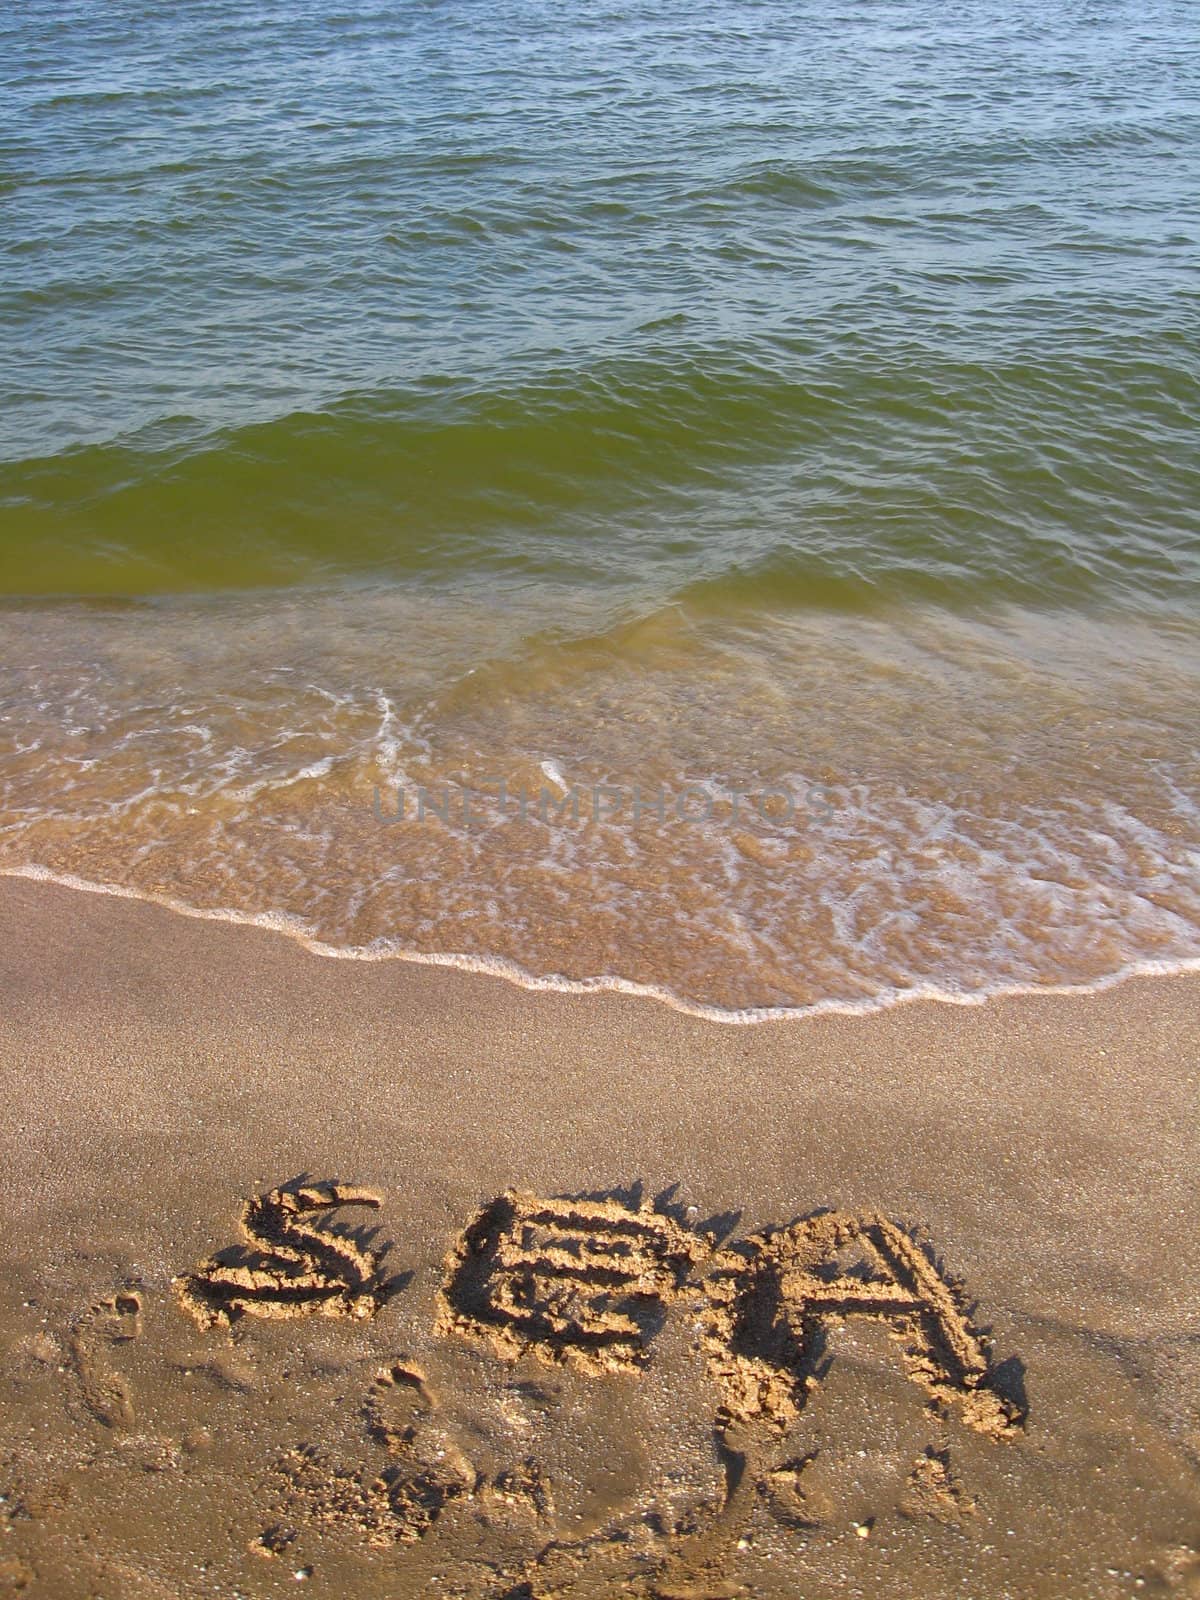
[(801, 397), (840, 302)]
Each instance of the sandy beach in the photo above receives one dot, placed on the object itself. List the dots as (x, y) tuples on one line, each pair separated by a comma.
[(386, 1438), (599, 801)]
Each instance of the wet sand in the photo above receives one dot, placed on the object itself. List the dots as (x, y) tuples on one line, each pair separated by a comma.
[(612, 1428)]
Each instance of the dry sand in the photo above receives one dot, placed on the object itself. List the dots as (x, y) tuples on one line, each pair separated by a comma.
[(606, 1385)]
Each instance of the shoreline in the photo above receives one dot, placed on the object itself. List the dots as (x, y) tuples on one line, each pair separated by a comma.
[(160, 1070), (291, 927)]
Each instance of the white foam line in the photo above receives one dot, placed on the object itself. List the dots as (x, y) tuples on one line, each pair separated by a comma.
[(499, 967)]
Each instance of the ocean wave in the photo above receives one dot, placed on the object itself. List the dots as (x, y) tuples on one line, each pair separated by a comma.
[(693, 463), (607, 983)]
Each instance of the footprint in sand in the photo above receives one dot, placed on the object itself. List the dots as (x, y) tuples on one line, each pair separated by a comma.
[(401, 1414), (431, 1468), (934, 1490), (288, 1266), (582, 1282), (427, 1470), (396, 1504), (789, 1495), (110, 1322)]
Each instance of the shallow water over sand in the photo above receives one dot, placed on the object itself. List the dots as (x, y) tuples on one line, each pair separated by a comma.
[(746, 811)]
